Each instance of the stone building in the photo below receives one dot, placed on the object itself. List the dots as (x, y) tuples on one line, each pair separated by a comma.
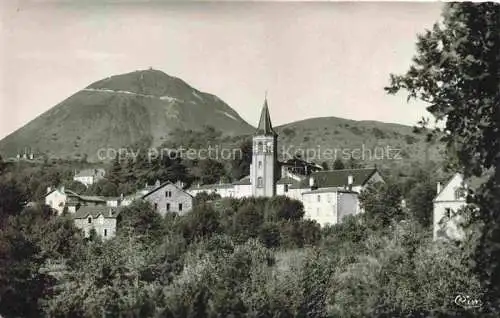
[(168, 197), (102, 219)]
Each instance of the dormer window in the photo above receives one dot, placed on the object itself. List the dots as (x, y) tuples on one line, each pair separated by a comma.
[(89, 220), (260, 164), (460, 194)]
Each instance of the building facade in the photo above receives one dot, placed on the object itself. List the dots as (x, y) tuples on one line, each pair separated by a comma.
[(168, 198), (449, 199), (89, 176), (337, 189), (102, 219)]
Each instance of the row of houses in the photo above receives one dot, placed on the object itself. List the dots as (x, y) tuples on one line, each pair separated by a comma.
[(327, 196)]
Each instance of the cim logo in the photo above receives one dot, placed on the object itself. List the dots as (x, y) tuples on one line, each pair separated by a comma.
[(466, 301)]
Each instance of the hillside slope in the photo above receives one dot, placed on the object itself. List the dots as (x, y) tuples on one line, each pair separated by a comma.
[(119, 111)]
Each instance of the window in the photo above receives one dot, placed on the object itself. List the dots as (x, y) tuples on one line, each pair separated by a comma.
[(460, 194), (89, 220), (168, 194), (105, 232), (260, 164), (319, 198), (180, 207), (447, 212), (260, 182), (168, 206), (260, 146), (156, 206), (286, 187)]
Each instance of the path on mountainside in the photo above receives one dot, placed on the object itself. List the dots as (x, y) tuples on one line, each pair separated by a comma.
[(163, 98)]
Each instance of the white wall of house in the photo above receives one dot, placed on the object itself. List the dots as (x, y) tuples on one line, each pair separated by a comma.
[(328, 207), (447, 201), (56, 200), (86, 180), (242, 190), (320, 206)]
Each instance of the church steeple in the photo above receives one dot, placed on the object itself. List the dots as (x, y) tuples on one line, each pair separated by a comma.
[(265, 127)]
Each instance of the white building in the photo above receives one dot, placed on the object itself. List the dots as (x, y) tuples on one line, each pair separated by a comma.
[(328, 206), (449, 199), (89, 176), (337, 190)]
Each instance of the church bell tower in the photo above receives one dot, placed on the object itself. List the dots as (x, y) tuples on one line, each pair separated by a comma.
[(263, 174)]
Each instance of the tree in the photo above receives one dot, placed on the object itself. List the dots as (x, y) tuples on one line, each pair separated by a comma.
[(2, 165), (240, 166), (338, 164), (382, 204), (201, 222), (211, 171), (116, 174), (142, 220), (420, 202), (456, 72), (325, 166)]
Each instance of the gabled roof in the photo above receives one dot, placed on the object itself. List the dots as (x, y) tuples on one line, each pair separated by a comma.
[(337, 178), (473, 182), (212, 186), (329, 190), (265, 127), (161, 186), (89, 172), (243, 181), (95, 211), (287, 180)]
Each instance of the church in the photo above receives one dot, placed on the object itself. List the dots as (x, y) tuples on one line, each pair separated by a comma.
[(327, 196)]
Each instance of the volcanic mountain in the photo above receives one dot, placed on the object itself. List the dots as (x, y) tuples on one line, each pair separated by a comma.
[(120, 111)]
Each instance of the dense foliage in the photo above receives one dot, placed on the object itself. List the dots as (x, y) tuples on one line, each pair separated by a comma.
[(456, 71)]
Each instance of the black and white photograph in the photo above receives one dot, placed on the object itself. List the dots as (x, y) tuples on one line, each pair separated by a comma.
[(278, 159)]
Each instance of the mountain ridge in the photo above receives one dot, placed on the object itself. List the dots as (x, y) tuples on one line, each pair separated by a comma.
[(145, 106)]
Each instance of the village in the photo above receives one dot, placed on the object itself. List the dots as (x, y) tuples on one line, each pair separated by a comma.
[(327, 196)]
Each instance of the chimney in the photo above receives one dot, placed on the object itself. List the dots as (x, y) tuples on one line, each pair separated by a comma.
[(311, 182), (49, 189), (157, 183), (62, 189), (438, 187), (350, 180)]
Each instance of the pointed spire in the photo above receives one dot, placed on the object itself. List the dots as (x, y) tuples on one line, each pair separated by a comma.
[(265, 127)]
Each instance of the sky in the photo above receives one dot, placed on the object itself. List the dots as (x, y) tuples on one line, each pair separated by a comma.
[(313, 59)]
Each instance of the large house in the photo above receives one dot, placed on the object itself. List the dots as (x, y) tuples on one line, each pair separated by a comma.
[(327, 195), (102, 219), (449, 199), (168, 197), (89, 176), (61, 198)]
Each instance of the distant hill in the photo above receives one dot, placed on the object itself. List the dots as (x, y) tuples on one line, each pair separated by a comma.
[(380, 142), (122, 110)]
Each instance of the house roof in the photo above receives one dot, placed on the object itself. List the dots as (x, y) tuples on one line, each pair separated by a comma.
[(90, 198), (287, 180), (329, 190), (212, 186), (89, 172), (162, 186), (95, 211), (337, 178), (472, 182), (243, 181)]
